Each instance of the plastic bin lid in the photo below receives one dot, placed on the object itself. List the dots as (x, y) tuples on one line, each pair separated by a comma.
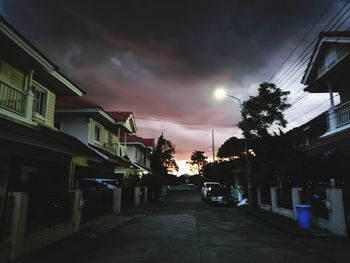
[(303, 206)]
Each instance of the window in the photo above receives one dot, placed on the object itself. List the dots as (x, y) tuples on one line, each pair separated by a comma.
[(97, 133), (40, 98)]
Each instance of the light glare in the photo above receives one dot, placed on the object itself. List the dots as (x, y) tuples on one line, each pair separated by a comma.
[(220, 93)]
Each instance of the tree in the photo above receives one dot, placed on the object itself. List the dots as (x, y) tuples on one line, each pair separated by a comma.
[(163, 157), (263, 111), (198, 160), (231, 147)]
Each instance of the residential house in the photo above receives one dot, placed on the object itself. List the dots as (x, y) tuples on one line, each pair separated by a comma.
[(139, 152), (327, 72), (100, 130), (35, 158)]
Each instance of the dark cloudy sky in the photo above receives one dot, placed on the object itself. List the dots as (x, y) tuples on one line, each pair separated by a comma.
[(162, 59)]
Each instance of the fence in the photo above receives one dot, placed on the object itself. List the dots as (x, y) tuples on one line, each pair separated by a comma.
[(284, 198), (6, 211), (265, 195), (48, 210)]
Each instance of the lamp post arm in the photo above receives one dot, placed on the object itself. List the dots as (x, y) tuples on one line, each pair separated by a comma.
[(239, 101)]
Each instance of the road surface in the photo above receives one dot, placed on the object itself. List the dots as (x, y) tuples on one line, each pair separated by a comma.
[(184, 229)]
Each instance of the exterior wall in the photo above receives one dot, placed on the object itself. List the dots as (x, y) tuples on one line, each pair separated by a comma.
[(132, 153), (47, 236), (75, 126), (135, 154), (108, 139), (23, 83)]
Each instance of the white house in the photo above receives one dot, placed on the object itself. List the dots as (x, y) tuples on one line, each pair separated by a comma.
[(140, 151), (102, 131)]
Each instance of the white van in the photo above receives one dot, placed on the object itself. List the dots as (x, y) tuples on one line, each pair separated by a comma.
[(207, 186)]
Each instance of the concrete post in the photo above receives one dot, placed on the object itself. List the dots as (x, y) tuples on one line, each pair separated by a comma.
[(258, 196), (19, 220), (145, 195), (274, 199), (77, 206), (137, 196), (117, 200), (332, 118), (336, 214), (296, 191)]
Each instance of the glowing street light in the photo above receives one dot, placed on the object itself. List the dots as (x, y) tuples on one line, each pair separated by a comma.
[(220, 93)]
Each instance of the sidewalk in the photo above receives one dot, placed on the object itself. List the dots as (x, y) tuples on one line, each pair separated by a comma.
[(286, 224)]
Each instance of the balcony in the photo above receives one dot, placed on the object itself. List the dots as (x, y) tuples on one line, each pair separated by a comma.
[(339, 118), (111, 146), (12, 99)]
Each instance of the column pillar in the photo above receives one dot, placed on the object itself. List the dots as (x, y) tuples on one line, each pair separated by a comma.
[(145, 195), (336, 214), (137, 196), (332, 120), (274, 199), (258, 195), (77, 206), (296, 191), (117, 200), (19, 220)]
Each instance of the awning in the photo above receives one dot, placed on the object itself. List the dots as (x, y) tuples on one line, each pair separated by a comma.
[(45, 138)]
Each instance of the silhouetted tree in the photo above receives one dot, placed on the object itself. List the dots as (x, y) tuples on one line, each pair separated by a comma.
[(231, 147), (198, 160), (264, 110)]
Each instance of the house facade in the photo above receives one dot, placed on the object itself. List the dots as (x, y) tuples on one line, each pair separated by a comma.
[(140, 151), (327, 72), (100, 130), (35, 158)]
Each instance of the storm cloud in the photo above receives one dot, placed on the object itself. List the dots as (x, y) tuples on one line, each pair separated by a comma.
[(163, 58)]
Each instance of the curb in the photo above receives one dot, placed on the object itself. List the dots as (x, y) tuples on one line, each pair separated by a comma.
[(295, 231)]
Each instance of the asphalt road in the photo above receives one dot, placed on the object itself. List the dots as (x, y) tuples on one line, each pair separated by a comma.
[(184, 229)]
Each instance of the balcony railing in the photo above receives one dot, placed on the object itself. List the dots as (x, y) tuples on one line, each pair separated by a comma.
[(111, 146), (340, 116), (12, 99)]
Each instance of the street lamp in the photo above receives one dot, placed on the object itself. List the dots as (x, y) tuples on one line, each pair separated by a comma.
[(220, 93)]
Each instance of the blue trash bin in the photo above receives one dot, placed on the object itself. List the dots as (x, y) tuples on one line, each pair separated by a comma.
[(304, 216)]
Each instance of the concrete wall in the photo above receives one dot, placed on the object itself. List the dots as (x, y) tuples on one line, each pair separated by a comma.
[(22, 244)]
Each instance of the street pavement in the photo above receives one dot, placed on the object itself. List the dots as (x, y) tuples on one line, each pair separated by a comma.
[(184, 229)]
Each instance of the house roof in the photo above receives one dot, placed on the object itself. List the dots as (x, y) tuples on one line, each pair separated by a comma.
[(120, 115), (113, 120), (126, 118), (112, 157), (75, 103), (148, 142), (324, 38), (45, 138), (23, 44)]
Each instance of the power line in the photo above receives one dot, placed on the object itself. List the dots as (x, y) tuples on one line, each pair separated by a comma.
[(310, 45), (183, 123), (302, 39)]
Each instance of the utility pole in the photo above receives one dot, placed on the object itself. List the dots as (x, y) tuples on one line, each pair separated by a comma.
[(212, 144)]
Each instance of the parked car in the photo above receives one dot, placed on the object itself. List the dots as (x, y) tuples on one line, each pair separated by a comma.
[(219, 195), (207, 186)]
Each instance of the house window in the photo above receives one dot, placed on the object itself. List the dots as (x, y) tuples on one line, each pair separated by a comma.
[(97, 133), (40, 98)]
